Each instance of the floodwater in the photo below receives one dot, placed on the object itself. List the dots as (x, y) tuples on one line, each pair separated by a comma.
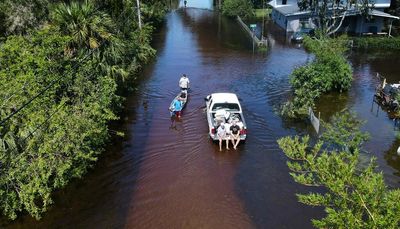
[(168, 174)]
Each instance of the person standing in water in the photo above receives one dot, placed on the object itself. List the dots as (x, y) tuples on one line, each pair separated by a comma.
[(185, 2), (176, 108), (184, 82)]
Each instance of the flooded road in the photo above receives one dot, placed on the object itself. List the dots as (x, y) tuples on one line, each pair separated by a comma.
[(168, 174)]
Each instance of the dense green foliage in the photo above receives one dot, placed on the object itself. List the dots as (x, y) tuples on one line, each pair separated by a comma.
[(55, 138), (355, 196), (328, 72), (63, 78), (259, 4), (242, 8), (17, 16), (377, 43), (342, 132)]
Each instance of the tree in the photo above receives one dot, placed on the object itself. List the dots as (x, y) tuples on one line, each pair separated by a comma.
[(61, 133), (353, 196), (328, 15), (18, 16), (78, 58), (342, 132), (94, 30), (233, 8), (88, 27)]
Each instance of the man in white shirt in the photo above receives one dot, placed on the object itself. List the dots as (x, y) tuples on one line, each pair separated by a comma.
[(184, 82)]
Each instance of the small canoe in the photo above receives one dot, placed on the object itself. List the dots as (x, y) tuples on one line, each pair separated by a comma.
[(182, 97)]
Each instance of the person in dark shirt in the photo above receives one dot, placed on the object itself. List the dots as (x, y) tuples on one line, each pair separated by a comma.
[(235, 134)]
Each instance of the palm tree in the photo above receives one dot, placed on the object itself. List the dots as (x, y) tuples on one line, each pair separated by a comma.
[(92, 29), (87, 26)]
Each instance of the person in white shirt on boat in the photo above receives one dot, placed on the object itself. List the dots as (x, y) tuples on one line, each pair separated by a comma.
[(184, 82), (221, 132)]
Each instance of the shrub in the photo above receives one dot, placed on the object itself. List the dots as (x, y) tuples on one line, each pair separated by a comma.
[(328, 72), (381, 43)]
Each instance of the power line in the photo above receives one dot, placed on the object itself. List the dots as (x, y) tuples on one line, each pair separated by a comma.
[(48, 87), (37, 128), (40, 93), (51, 84)]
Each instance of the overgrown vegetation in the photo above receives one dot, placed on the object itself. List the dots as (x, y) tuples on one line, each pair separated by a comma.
[(377, 43), (329, 71), (242, 8), (59, 79), (354, 196)]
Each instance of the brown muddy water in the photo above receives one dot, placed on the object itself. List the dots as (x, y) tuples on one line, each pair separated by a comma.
[(167, 174)]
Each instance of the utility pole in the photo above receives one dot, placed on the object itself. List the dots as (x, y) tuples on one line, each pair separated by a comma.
[(262, 27), (138, 13)]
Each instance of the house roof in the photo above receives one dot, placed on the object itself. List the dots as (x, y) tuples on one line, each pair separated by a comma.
[(379, 13), (373, 12), (293, 9), (287, 10)]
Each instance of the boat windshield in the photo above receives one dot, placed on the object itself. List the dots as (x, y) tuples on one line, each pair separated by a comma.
[(226, 106)]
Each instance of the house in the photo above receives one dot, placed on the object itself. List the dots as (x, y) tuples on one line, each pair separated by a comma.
[(287, 15)]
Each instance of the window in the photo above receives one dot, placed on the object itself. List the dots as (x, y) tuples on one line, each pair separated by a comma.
[(304, 23), (227, 106)]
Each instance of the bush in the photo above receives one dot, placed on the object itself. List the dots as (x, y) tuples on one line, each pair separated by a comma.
[(328, 72), (381, 43)]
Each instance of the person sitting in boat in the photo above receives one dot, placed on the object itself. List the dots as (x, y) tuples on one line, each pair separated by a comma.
[(183, 95), (177, 107), (235, 133), (221, 133), (184, 82)]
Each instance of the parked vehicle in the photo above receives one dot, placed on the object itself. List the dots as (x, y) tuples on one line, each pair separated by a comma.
[(224, 108), (299, 35)]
